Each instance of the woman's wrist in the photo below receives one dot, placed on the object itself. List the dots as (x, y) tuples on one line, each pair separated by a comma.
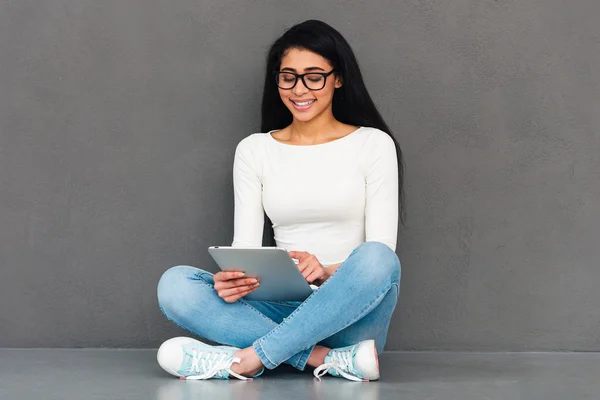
[(329, 270)]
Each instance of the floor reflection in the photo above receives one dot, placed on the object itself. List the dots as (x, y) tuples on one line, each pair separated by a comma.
[(302, 388)]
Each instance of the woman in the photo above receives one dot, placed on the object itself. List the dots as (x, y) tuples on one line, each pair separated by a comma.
[(328, 174)]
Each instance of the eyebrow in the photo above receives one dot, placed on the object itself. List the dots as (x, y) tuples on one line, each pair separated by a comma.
[(305, 69)]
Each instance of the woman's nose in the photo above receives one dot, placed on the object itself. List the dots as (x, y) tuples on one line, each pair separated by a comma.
[(300, 89)]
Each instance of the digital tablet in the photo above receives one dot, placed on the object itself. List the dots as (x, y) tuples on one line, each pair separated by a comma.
[(279, 276)]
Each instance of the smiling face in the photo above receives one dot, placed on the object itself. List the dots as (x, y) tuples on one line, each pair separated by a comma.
[(305, 104)]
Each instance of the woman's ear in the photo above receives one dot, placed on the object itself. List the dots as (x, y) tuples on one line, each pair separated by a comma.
[(338, 81)]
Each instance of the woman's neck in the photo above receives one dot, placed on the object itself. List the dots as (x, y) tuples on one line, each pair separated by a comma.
[(318, 129)]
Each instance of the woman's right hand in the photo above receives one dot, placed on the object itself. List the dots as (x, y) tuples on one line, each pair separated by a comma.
[(233, 285)]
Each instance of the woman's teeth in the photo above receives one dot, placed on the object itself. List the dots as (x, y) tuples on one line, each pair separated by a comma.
[(303, 103)]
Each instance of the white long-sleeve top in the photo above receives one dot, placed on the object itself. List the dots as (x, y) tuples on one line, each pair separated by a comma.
[(325, 199)]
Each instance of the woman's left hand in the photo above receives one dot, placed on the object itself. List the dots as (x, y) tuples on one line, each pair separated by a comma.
[(312, 270)]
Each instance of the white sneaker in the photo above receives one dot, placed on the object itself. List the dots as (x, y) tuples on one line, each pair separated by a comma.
[(358, 362), (189, 358)]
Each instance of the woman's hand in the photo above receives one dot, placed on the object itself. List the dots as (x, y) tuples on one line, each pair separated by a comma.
[(233, 285), (311, 268)]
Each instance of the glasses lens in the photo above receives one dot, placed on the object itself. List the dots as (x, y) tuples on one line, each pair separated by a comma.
[(314, 81), (285, 80)]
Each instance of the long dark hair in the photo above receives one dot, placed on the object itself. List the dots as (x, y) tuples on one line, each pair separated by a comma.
[(351, 102)]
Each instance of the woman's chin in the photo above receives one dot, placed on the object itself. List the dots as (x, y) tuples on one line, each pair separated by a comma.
[(302, 116)]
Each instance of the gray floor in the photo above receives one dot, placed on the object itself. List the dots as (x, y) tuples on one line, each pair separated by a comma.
[(134, 374)]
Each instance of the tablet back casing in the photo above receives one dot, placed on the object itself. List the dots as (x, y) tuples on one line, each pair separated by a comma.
[(279, 277)]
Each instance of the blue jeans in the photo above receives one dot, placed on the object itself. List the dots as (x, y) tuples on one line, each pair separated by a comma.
[(356, 303)]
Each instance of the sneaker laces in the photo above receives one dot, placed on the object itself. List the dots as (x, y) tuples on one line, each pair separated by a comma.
[(340, 362), (212, 363)]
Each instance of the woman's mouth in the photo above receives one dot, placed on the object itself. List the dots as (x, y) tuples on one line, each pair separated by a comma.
[(303, 105)]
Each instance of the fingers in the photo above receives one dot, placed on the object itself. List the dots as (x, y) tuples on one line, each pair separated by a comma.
[(234, 283), (306, 262), (227, 275), (305, 269), (312, 270), (233, 295), (309, 266), (224, 293), (316, 275)]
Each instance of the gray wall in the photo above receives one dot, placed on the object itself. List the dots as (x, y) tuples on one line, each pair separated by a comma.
[(119, 118)]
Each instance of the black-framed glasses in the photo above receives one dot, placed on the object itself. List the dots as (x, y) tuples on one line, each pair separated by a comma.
[(311, 80)]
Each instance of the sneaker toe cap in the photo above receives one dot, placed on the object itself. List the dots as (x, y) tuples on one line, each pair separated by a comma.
[(170, 355)]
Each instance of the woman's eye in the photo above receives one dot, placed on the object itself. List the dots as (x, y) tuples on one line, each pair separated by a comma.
[(318, 78)]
